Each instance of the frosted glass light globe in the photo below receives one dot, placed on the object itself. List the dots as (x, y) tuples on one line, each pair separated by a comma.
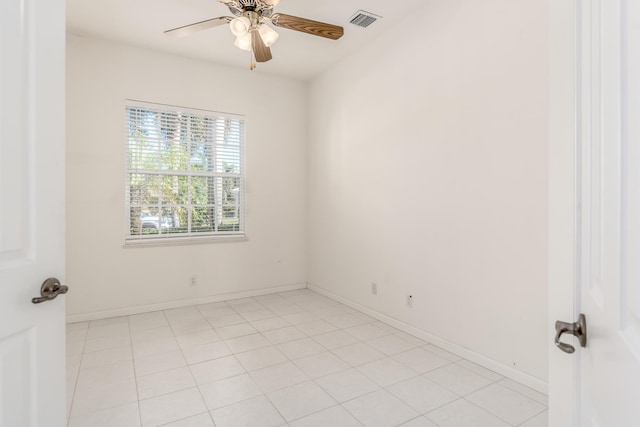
[(244, 42), (269, 36), (239, 26)]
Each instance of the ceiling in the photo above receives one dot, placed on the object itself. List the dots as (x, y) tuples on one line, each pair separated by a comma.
[(297, 55)]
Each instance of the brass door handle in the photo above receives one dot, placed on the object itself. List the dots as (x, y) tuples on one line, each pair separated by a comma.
[(50, 289), (577, 329)]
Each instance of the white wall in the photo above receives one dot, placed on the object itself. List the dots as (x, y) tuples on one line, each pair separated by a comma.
[(428, 175), (101, 273)]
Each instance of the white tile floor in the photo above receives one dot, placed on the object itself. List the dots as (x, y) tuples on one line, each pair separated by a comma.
[(290, 359)]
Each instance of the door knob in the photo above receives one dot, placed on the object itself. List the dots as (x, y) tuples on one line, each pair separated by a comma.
[(577, 329), (50, 289)]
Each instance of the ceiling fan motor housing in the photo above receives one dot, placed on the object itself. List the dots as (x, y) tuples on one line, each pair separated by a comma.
[(261, 7)]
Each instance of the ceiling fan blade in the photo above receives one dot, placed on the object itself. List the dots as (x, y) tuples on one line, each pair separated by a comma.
[(198, 26), (333, 32), (260, 50)]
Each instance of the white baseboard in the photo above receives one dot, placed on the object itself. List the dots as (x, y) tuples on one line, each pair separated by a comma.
[(504, 370), (74, 318)]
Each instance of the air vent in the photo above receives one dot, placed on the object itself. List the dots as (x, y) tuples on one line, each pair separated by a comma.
[(364, 19)]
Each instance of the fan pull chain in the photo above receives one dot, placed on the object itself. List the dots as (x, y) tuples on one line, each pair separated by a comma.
[(252, 63)]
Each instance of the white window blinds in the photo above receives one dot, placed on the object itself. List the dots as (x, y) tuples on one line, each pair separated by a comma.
[(185, 173)]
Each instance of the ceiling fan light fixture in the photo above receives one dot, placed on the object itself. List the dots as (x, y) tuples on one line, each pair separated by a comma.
[(244, 42), (248, 25), (240, 26), (268, 34)]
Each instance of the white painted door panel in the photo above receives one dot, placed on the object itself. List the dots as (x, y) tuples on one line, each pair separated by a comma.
[(32, 385), (610, 214), (595, 210), (631, 183)]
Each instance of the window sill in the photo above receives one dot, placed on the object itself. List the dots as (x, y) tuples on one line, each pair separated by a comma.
[(183, 241)]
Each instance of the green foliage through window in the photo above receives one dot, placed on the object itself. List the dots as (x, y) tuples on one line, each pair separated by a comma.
[(184, 172)]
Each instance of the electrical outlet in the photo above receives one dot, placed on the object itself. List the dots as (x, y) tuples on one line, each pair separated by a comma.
[(194, 280), (410, 301), (374, 288)]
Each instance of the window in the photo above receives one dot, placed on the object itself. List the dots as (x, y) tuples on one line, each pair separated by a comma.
[(185, 174)]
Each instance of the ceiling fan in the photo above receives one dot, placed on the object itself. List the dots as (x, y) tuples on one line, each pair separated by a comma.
[(249, 26)]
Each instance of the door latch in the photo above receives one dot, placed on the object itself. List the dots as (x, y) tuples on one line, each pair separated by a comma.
[(577, 329), (50, 289)]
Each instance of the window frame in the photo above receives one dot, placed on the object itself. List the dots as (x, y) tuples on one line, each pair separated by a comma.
[(190, 237)]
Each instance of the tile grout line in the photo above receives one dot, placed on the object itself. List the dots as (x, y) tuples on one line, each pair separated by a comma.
[(75, 385), (133, 362), (314, 380), (289, 360), (189, 367), (264, 393), (497, 382), (486, 411), (534, 416), (80, 370)]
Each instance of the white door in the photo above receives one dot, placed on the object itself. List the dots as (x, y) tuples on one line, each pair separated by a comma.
[(610, 260), (595, 211), (32, 367)]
